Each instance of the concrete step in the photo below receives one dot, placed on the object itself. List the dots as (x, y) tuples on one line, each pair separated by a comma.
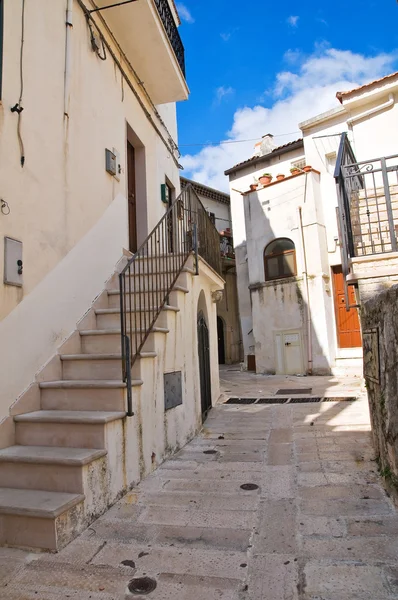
[(108, 341), (147, 297), (66, 428), (350, 367), (39, 519), (46, 468), (138, 281), (110, 317), (94, 367), (85, 395)]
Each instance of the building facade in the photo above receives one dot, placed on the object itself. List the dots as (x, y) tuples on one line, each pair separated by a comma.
[(217, 205), (298, 313), (108, 328)]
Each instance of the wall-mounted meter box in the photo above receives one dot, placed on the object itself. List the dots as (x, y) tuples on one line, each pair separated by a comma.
[(13, 265), (110, 162)]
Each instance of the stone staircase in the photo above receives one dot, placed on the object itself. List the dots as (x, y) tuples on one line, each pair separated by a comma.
[(74, 457), (369, 220)]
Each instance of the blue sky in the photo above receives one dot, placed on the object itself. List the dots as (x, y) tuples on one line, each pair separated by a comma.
[(254, 67)]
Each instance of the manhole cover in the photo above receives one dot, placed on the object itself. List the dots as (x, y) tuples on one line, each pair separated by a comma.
[(272, 400), (142, 586), (241, 401), (209, 451), (303, 400), (295, 392), (341, 399), (249, 487)]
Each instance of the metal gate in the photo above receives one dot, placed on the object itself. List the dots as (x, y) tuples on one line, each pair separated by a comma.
[(204, 365)]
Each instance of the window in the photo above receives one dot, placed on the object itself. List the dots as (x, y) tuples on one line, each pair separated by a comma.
[(212, 217), (280, 259), (1, 46)]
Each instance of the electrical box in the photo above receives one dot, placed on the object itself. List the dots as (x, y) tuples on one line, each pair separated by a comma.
[(13, 265), (110, 162), (118, 165)]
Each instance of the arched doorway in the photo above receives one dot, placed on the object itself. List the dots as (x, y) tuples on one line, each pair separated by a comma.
[(204, 365), (221, 341)]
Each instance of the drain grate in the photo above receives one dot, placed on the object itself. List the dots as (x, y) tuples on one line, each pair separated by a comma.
[(142, 586), (241, 401), (303, 400), (249, 487), (340, 399), (295, 392), (272, 400)]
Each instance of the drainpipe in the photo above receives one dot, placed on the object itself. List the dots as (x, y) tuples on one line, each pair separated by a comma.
[(306, 290), (68, 55), (390, 102)]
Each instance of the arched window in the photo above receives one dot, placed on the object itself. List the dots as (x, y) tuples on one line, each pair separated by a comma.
[(280, 259)]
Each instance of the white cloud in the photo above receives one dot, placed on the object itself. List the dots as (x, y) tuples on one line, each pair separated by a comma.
[(184, 13), (309, 90), (225, 36), (293, 20), (222, 92)]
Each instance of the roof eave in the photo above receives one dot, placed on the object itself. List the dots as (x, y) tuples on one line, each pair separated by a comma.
[(284, 150)]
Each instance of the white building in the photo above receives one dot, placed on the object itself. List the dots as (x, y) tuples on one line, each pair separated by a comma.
[(292, 272), (88, 169)]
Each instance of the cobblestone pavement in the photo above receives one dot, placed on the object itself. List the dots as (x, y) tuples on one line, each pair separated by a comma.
[(319, 526)]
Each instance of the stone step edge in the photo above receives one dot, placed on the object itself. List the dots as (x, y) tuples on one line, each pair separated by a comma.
[(66, 460), (66, 357), (87, 383), (115, 311), (89, 417), (28, 499), (86, 332), (175, 288)]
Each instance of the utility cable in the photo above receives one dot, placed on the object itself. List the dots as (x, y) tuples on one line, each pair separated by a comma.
[(234, 141), (18, 107)]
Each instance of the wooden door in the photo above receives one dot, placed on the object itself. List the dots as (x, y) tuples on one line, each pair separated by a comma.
[(132, 207), (348, 328)]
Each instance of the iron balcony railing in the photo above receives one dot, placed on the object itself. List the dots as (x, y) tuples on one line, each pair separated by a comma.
[(369, 190), (167, 18), (150, 275)]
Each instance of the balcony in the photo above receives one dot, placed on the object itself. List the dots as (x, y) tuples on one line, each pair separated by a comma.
[(147, 32), (368, 204)]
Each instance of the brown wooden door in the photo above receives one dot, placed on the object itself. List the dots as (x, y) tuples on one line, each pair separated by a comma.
[(132, 207), (348, 328)]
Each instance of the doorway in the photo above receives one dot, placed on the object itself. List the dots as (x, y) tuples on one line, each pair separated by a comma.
[(221, 341), (347, 322), (289, 353), (204, 365), (131, 194)]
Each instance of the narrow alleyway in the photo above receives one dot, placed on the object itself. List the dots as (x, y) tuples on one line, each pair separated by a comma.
[(318, 527)]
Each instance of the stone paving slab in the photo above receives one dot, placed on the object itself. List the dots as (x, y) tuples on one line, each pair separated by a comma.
[(319, 526)]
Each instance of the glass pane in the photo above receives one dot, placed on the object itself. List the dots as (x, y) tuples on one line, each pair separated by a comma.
[(288, 264), (278, 246), (272, 268)]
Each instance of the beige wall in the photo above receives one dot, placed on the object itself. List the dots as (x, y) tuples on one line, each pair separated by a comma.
[(63, 189)]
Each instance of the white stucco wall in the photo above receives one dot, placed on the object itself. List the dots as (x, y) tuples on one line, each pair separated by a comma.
[(63, 189)]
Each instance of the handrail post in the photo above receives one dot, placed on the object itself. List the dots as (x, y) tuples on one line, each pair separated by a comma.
[(195, 247), (390, 214)]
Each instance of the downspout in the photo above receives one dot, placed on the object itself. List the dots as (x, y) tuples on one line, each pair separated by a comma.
[(68, 56), (306, 290), (390, 102)]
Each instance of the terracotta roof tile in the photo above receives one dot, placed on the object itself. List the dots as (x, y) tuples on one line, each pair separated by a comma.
[(342, 95)]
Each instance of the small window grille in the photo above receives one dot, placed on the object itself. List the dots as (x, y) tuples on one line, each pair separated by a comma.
[(300, 164)]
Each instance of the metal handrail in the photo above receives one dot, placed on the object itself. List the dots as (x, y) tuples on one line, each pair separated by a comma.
[(150, 275), (170, 27)]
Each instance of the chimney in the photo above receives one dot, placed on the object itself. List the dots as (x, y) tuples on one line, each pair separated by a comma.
[(265, 145)]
